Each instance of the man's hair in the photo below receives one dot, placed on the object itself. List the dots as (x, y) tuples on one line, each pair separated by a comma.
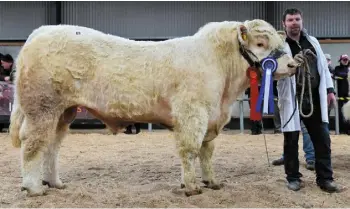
[(7, 58), (291, 11)]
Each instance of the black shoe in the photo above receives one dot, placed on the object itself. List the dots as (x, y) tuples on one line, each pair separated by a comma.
[(277, 131), (329, 186), (254, 132), (133, 129), (256, 127), (310, 165), (294, 185), (128, 130), (278, 162), (259, 126)]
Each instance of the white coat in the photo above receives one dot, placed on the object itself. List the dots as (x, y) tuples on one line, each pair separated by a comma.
[(286, 94)]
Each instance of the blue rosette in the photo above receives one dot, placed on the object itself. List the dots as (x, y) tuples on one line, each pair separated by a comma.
[(265, 100)]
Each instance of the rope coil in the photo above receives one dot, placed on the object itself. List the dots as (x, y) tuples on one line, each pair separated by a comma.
[(304, 73)]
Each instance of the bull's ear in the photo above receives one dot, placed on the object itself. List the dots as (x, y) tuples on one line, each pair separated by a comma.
[(242, 34), (282, 34)]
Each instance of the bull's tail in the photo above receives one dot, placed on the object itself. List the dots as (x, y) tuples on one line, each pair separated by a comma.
[(16, 121), (346, 110)]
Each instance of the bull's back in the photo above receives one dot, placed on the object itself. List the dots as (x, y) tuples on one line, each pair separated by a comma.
[(88, 65)]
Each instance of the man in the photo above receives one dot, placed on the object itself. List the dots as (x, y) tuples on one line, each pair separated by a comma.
[(323, 96), (341, 73), (329, 62), (308, 150), (6, 65)]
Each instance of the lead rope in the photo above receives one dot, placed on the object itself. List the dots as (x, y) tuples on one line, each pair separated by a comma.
[(303, 56), (304, 71), (267, 153)]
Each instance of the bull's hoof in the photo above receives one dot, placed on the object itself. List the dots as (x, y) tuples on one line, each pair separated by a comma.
[(212, 185), (192, 192), (34, 192), (58, 185), (196, 191)]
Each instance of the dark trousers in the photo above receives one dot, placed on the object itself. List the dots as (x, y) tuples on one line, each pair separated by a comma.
[(319, 134), (276, 117), (137, 127)]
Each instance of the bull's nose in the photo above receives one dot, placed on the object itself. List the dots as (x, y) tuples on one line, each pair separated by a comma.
[(292, 66)]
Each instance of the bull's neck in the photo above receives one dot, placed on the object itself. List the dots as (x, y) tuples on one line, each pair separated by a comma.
[(237, 80), (237, 86), (234, 68)]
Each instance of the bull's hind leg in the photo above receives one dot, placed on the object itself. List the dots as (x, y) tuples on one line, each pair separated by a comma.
[(189, 133), (35, 135), (51, 168), (205, 156)]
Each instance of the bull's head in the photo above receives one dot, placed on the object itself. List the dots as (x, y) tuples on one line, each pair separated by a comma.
[(259, 40)]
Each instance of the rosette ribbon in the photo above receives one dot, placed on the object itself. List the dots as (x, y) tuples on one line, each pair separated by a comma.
[(254, 94), (265, 101)]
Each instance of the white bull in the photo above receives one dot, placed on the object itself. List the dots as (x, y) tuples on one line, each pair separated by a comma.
[(187, 84)]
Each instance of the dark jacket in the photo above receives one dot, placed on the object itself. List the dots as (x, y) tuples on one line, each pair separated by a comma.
[(4, 73), (341, 71), (342, 84), (331, 69), (275, 92)]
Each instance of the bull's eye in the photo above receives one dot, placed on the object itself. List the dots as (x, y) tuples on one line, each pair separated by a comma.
[(260, 45)]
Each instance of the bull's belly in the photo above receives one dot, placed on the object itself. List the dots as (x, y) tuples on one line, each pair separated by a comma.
[(119, 114), (157, 115), (116, 123)]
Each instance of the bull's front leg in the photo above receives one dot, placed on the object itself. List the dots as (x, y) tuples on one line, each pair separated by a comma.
[(189, 134), (207, 149), (205, 156)]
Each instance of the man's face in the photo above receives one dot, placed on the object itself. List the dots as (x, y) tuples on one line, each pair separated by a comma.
[(329, 61), (293, 24), (6, 65), (345, 61)]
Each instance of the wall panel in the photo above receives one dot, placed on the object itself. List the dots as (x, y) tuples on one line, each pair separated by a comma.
[(18, 19), (168, 19), (156, 19)]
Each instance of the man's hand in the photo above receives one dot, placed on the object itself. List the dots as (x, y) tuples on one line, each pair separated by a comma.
[(7, 78), (299, 58), (331, 100)]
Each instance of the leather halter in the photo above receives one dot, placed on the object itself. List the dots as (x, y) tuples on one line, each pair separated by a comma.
[(256, 65)]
